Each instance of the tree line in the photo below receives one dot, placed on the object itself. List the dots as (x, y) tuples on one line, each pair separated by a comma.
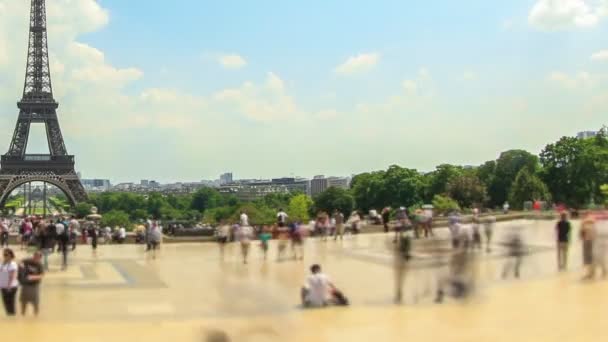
[(570, 171)]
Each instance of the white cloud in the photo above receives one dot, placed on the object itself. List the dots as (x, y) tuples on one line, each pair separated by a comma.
[(232, 61), (507, 24), (357, 64), (582, 79), (600, 56), (560, 14)]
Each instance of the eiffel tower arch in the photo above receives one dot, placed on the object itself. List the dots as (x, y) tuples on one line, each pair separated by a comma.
[(38, 106)]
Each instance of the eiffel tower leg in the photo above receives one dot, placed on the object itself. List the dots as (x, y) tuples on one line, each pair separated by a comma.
[(69, 184)]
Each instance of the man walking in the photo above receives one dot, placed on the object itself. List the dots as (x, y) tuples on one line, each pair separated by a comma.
[(63, 239), (31, 272), (563, 228), (339, 218)]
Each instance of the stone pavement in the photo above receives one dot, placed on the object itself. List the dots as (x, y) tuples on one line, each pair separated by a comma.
[(122, 294)]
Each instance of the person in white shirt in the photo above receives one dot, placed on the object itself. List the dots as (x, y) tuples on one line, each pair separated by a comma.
[(281, 218), (245, 234), (244, 219), (122, 234), (318, 289), (8, 281)]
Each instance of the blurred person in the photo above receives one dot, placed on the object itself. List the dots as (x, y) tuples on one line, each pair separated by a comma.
[(223, 236), (245, 235), (459, 281), (283, 236), (94, 234), (27, 229), (476, 233), (155, 238), (489, 223), (516, 251), (122, 235), (244, 219), (587, 235), (454, 226), (74, 227), (8, 281), (322, 225), (147, 233), (428, 222), (600, 245), (402, 256), (386, 214), (339, 223), (505, 208), (63, 240), (403, 223), (563, 228), (3, 233), (265, 236), (355, 222), (46, 244), (297, 236), (31, 272)]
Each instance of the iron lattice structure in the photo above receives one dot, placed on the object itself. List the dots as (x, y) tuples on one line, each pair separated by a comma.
[(38, 106)]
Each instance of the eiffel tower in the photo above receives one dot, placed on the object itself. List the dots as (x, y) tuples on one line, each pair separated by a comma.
[(38, 106)]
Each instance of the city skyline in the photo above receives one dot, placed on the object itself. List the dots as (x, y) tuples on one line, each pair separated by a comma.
[(188, 90)]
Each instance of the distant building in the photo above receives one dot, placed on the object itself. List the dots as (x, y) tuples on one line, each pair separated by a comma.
[(144, 182), (153, 184), (96, 184), (318, 184), (226, 178), (292, 184), (252, 189), (586, 134), (338, 182)]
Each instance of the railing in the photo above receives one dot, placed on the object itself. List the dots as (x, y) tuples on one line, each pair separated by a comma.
[(38, 158)]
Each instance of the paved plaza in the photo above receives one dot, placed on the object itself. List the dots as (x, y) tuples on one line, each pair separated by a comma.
[(123, 294)]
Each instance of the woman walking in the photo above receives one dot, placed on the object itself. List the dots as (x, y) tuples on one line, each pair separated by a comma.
[(8, 281)]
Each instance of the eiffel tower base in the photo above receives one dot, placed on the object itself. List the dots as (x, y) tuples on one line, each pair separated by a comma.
[(59, 172)]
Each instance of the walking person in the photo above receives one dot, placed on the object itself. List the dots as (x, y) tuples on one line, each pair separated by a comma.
[(516, 252), (588, 234), (563, 229), (45, 244), (147, 232), (265, 236), (403, 223), (488, 228), (476, 233), (8, 281), (339, 219), (74, 227), (402, 255), (3, 233), (282, 218), (63, 240), (386, 214), (31, 272), (154, 238), (223, 237), (245, 234), (94, 237)]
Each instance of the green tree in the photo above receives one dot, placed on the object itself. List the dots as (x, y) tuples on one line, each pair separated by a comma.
[(82, 209), (334, 198), (507, 167), (299, 208), (574, 169), (401, 187), (368, 190), (527, 187), (441, 177), (467, 190), (115, 218), (206, 198), (444, 204)]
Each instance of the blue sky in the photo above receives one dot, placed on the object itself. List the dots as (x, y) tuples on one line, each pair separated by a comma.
[(185, 90)]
